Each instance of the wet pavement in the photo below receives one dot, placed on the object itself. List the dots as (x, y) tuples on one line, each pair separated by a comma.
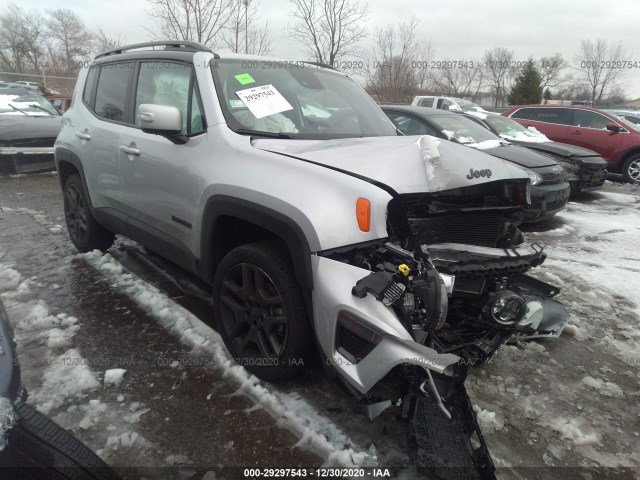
[(200, 416)]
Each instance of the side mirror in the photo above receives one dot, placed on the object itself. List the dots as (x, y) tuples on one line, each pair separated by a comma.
[(613, 127), (162, 120)]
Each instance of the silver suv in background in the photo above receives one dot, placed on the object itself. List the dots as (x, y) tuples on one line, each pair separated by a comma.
[(285, 187)]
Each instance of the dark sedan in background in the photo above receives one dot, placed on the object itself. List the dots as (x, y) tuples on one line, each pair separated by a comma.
[(549, 192), (29, 125), (586, 169)]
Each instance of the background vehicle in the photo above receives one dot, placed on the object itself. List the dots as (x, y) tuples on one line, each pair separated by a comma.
[(29, 125), (616, 140), (448, 103), (586, 169), (313, 221), (550, 191), (31, 445), (630, 116)]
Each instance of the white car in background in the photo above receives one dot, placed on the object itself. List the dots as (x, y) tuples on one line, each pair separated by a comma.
[(449, 103)]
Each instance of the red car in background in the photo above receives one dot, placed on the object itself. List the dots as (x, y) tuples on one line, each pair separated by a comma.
[(612, 137)]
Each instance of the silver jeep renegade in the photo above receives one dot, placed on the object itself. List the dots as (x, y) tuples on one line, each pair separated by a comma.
[(286, 188)]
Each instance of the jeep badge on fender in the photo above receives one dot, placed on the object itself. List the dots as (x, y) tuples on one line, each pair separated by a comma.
[(479, 173)]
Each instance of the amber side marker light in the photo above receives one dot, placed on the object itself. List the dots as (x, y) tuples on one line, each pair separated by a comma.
[(363, 214)]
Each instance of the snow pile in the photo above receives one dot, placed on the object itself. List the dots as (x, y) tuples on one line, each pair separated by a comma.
[(572, 430), (484, 145), (9, 278), (530, 136), (7, 419), (608, 389), (477, 114), (113, 377), (488, 421), (315, 432), (66, 378), (124, 440), (93, 413), (56, 331)]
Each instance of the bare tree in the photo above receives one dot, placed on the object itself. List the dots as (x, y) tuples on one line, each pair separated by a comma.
[(497, 64), (601, 65), (102, 41), (68, 36), (394, 62), (201, 21), (460, 79), (242, 35), (21, 35), (329, 29), (551, 70)]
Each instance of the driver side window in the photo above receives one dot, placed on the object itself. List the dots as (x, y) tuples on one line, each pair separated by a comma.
[(167, 83)]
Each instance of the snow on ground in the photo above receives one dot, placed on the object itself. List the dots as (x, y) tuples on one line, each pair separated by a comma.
[(315, 432)]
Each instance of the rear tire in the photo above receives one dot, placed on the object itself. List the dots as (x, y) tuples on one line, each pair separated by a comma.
[(260, 312), (85, 232), (38, 448), (631, 170)]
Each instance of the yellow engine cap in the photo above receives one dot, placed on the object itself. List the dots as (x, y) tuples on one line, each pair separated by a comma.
[(404, 269)]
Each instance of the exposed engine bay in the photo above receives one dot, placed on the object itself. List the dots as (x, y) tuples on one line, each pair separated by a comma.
[(453, 272), (467, 293)]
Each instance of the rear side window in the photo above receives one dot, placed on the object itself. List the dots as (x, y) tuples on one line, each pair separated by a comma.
[(558, 116), (171, 84), (524, 113), (111, 93), (425, 102), (588, 119), (89, 86)]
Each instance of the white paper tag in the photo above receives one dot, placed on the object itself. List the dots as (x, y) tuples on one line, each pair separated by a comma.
[(264, 101)]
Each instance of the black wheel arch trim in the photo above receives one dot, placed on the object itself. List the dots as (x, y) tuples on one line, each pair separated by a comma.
[(626, 155), (273, 221), (65, 155)]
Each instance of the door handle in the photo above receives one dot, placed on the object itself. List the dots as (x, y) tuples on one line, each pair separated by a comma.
[(83, 136), (576, 132), (130, 150)]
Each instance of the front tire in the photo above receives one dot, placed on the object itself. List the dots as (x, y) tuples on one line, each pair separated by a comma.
[(85, 232), (631, 170), (260, 312)]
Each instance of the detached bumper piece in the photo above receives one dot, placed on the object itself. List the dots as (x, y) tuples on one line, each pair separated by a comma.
[(446, 448), (15, 160)]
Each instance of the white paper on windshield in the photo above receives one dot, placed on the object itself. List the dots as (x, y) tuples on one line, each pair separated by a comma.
[(264, 101)]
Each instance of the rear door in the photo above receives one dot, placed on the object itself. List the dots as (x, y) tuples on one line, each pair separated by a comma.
[(589, 130), (161, 178), (98, 132), (552, 121)]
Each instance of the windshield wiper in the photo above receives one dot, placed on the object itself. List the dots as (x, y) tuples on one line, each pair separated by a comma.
[(41, 108), (260, 133), (18, 110)]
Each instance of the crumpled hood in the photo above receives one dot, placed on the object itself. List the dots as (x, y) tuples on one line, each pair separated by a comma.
[(521, 156), (16, 127), (406, 164), (565, 150)]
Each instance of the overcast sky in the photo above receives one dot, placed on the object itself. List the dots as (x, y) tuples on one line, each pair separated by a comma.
[(461, 29)]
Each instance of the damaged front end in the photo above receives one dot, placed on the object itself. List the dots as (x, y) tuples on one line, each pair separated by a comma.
[(446, 290)]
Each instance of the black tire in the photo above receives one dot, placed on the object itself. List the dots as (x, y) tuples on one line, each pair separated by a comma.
[(268, 333), (631, 170), (85, 232), (38, 448)]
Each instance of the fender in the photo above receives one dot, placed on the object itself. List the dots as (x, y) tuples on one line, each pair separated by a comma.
[(275, 222)]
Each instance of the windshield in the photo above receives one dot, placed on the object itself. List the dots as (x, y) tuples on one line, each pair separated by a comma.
[(295, 101), (466, 105), (32, 105), (461, 129)]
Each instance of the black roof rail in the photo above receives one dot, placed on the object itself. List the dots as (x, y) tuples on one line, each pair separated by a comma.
[(177, 44)]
